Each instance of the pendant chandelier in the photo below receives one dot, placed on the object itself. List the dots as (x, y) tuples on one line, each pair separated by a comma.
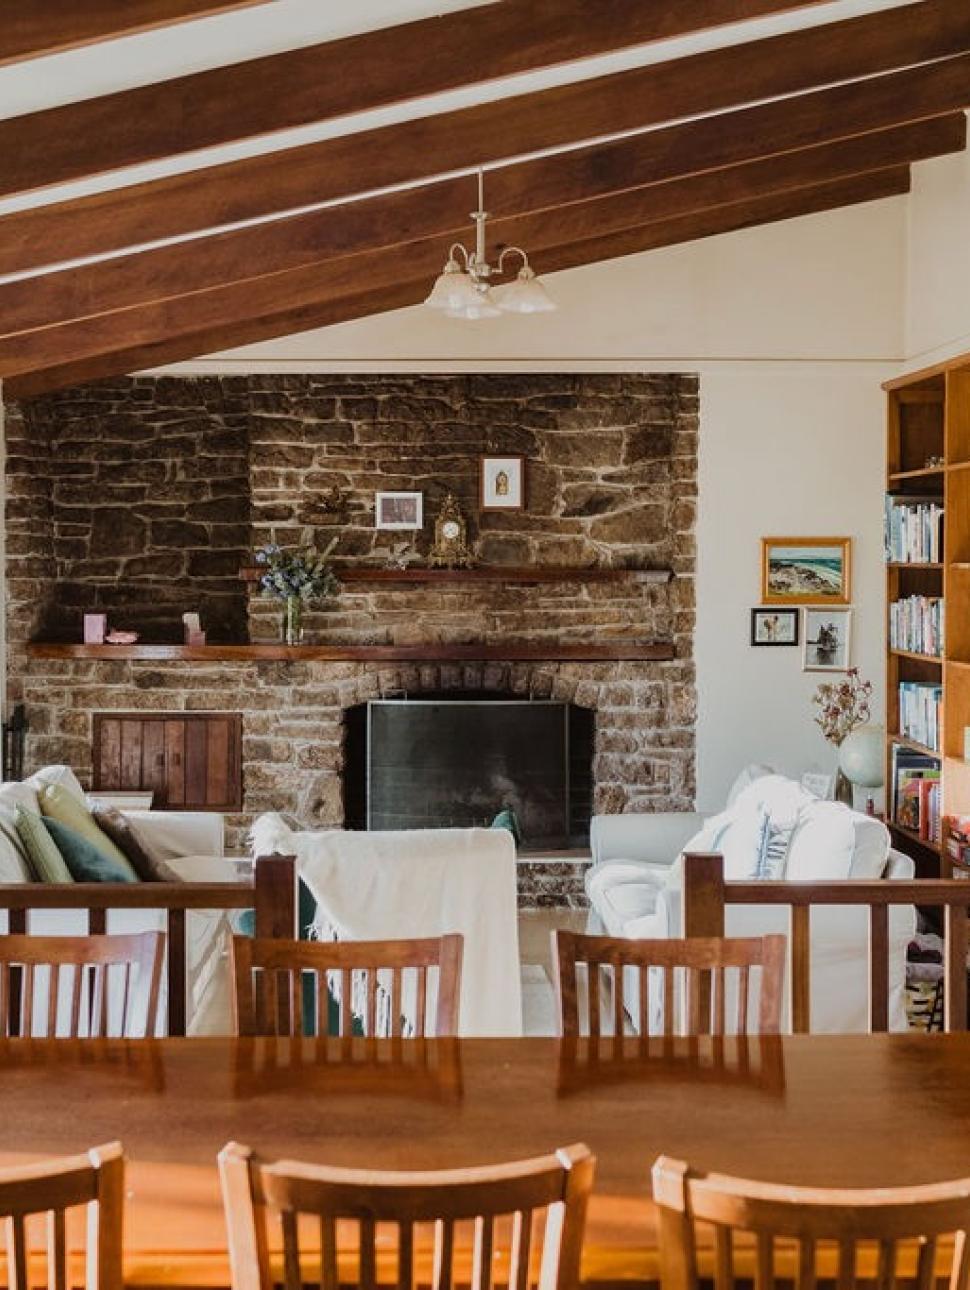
[(464, 288)]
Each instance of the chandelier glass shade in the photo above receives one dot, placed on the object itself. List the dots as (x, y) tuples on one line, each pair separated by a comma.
[(464, 288)]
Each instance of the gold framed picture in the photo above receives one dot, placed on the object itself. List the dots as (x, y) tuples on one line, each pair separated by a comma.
[(806, 570)]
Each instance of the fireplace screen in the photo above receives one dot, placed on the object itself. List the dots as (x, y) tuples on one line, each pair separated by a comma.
[(458, 763)]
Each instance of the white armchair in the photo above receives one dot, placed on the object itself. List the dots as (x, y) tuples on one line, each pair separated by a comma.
[(634, 891)]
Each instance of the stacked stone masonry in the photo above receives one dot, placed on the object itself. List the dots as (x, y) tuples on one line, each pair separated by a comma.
[(144, 496)]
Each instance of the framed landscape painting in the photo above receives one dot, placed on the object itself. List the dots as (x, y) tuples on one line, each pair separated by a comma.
[(806, 571)]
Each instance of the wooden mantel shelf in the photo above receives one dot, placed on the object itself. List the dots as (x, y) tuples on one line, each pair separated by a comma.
[(595, 651), (521, 574)]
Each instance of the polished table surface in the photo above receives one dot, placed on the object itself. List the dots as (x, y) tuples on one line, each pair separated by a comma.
[(839, 1110)]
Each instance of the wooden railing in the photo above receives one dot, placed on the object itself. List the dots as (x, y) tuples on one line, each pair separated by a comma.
[(705, 895), (271, 892)]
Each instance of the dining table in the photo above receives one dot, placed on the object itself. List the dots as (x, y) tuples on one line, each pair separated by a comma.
[(839, 1110)]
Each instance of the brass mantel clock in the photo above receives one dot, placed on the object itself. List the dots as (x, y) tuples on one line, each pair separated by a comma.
[(450, 550)]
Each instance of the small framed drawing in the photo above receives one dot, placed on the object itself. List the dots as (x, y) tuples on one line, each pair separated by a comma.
[(502, 484), (828, 637), (398, 510), (774, 626), (805, 571)]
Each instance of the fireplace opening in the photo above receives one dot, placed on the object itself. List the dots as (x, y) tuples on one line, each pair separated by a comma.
[(456, 760)]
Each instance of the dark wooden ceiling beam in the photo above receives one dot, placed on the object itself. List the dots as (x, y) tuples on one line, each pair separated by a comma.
[(92, 347), (546, 201), (48, 147), (338, 78), (31, 28)]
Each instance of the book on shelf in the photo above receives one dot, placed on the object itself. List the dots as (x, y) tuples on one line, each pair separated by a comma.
[(920, 703), (913, 530), (916, 625), (956, 832), (914, 792)]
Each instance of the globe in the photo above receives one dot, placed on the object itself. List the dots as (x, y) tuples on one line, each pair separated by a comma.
[(861, 756)]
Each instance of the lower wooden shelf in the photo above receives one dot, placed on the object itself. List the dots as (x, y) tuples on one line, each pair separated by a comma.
[(594, 651), (913, 836)]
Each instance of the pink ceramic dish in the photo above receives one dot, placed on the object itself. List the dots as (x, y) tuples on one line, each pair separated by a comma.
[(121, 638)]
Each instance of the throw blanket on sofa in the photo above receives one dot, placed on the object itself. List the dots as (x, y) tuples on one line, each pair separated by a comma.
[(414, 883)]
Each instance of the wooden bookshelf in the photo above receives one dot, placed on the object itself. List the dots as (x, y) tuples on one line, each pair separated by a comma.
[(929, 418)]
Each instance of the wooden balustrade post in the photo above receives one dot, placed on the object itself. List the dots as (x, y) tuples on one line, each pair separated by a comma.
[(878, 968), (702, 906), (702, 914), (955, 976), (800, 967), (275, 896), (276, 905)]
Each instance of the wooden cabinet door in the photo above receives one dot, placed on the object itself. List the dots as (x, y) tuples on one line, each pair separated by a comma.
[(191, 762)]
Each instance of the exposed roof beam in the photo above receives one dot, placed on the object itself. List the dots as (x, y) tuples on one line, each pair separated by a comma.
[(339, 78), (34, 27), (552, 200), (337, 168), (92, 347)]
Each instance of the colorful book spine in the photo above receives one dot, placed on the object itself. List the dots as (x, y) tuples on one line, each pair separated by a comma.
[(913, 531), (916, 624), (919, 712)]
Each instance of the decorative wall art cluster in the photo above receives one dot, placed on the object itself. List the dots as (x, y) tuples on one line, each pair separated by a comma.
[(501, 488), (806, 586)]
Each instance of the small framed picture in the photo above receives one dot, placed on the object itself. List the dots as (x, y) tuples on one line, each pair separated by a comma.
[(827, 640), (774, 626), (398, 510), (502, 483), (805, 571)]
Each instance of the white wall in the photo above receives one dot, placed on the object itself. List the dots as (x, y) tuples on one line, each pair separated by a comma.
[(792, 328), (938, 261), (785, 449)]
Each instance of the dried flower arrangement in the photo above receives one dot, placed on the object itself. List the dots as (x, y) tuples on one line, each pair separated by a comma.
[(842, 705)]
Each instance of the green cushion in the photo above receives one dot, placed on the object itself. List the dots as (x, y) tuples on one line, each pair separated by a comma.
[(245, 924), (46, 861), (59, 803), (83, 859), (507, 819)]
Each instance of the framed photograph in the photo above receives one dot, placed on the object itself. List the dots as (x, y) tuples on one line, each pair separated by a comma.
[(827, 637), (398, 510), (805, 571), (774, 626), (502, 484)]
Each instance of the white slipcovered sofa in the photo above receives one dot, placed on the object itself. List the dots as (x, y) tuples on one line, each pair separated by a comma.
[(771, 828), (192, 843)]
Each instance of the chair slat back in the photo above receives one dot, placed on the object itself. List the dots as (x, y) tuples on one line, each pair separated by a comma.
[(396, 1220), (34, 1201), (686, 984), (74, 986), (385, 989), (807, 1234)]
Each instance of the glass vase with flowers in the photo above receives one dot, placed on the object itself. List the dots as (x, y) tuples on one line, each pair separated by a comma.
[(297, 576)]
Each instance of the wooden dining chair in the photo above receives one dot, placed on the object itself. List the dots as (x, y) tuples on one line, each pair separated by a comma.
[(374, 988), (505, 1206), (39, 1196), (698, 968), (802, 1235), (67, 986)]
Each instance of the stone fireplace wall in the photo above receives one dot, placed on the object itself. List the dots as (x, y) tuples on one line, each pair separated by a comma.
[(143, 497)]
